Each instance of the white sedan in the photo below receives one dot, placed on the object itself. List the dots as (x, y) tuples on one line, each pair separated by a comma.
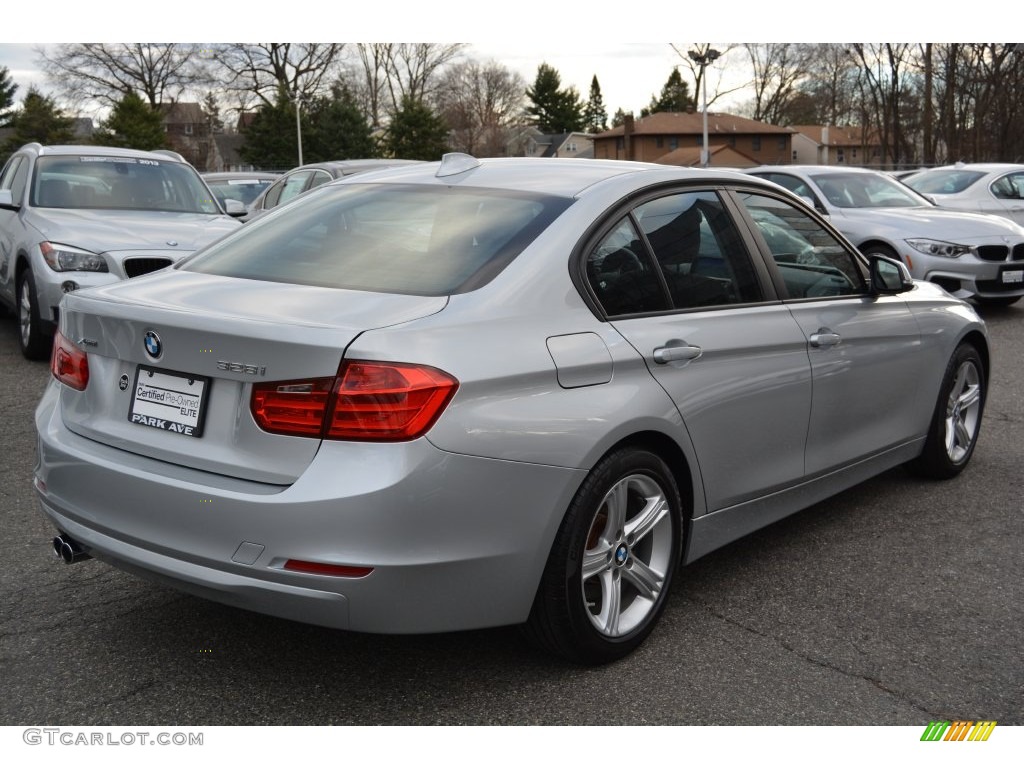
[(996, 188)]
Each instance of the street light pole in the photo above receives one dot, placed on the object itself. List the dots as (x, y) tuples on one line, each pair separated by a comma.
[(298, 124), (702, 60)]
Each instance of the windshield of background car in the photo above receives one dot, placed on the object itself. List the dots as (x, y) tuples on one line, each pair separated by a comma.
[(242, 190), (102, 182), (942, 182), (426, 240), (867, 190)]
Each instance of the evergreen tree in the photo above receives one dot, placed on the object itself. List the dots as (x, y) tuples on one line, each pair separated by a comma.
[(339, 130), (133, 124), (212, 109), (675, 96), (416, 133), (618, 118), (552, 109), (7, 89), (40, 120), (595, 116), (270, 140)]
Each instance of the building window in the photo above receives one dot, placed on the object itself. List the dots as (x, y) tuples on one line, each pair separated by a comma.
[(188, 129), (620, 143), (782, 143), (840, 157), (673, 143), (755, 143), (659, 142), (732, 142)]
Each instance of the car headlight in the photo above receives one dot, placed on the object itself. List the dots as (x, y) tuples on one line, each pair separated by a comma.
[(64, 258), (938, 248)]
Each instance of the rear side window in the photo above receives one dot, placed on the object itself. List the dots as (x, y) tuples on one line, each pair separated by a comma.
[(679, 251), (423, 240)]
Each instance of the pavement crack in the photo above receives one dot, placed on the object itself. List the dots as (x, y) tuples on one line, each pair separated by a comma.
[(811, 660)]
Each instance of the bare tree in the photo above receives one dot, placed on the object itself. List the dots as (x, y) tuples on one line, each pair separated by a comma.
[(887, 69), (393, 72), (481, 103), (778, 70), (267, 71), (106, 72), (712, 72)]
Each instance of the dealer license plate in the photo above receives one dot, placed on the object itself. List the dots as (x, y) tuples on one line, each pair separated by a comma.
[(1013, 276), (174, 402)]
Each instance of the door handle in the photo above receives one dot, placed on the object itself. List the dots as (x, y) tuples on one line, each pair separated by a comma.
[(671, 354), (825, 338)]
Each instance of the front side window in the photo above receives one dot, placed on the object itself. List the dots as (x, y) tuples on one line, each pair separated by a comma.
[(389, 238), (812, 263)]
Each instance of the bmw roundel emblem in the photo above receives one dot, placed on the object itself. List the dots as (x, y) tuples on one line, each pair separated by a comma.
[(153, 345)]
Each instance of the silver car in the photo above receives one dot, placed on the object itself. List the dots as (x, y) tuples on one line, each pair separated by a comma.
[(75, 216), (478, 393), (996, 188), (972, 255)]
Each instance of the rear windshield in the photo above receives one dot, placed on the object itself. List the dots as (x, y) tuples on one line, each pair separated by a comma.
[(103, 182), (423, 240)]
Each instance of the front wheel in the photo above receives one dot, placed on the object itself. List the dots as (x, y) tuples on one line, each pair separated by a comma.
[(957, 419), (610, 569), (35, 343)]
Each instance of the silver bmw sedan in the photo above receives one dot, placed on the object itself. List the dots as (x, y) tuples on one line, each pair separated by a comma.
[(488, 392)]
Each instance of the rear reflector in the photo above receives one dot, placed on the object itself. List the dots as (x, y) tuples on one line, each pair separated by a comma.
[(365, 401), (68, 364), (328, 569)]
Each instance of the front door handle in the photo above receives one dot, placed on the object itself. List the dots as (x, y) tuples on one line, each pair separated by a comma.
[(671, 354)]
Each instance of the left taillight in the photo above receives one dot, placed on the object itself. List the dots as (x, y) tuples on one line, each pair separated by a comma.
[(69, 364), (367, 400)]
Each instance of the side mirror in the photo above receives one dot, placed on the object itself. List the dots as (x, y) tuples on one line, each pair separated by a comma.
[(889, 276), (6, 200), (234, 208)]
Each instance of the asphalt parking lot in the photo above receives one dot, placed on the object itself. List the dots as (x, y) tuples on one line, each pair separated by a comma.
[(897, 603)]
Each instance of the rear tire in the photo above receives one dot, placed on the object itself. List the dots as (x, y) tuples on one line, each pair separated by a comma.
[(957, 419), (611, 567)]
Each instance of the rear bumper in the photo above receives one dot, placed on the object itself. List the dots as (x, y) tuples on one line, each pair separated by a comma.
[(455, 542)]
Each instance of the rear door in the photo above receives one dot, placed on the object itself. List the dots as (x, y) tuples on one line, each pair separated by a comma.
[(676, 280)]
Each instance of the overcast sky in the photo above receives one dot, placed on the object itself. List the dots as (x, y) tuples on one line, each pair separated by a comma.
[(576, 39)]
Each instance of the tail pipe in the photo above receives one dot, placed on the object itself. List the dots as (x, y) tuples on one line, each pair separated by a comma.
[(69, 550)]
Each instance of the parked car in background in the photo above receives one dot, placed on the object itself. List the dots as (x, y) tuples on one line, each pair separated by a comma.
[(971, 255), (996, 188), (77, 216), (307, 177), (242, 186), (484, 392)]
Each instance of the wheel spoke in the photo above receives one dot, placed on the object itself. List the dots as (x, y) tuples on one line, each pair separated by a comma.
[(645, 579), (961, 436), (654, 512), (596, 560), (970, 397), (616, 504), (611, 603)]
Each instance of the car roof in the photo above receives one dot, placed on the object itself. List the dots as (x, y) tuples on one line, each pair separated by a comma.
[(221, 175), (565, 177)]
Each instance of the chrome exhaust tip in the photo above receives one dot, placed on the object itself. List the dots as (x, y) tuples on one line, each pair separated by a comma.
[(69, 550)]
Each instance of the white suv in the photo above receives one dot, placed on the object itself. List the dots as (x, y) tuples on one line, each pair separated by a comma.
[(79, 216)]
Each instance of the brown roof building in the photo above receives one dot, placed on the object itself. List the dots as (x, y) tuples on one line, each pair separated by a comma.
[(651, 138), (835, 145)]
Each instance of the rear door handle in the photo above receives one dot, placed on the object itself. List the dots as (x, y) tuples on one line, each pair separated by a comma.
[(825, 338), (671, 354)]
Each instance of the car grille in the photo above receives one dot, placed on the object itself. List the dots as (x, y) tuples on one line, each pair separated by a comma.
[(1018, 252), (993, 252), (143, 266)]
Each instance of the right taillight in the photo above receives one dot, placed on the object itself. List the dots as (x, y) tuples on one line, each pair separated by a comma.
[(68, 364), (367, 400)]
